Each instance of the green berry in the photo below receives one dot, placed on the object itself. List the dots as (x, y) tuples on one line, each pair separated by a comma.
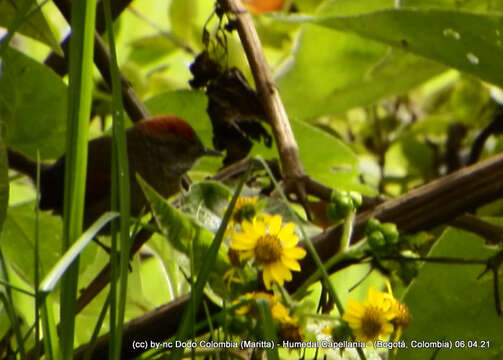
[(390, 233), (356, 198), (376, 241), (372, 225), (342, 204)]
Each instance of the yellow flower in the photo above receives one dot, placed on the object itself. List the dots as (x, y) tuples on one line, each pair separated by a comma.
[(370, 320), (243, 210), (378, 316), (279, 311), (401, 314), (401, 319), (271, 246)]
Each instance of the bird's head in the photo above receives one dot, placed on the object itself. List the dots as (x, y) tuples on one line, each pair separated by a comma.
[(171, 140)]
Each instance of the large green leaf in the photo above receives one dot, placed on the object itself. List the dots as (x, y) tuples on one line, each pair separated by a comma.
[(34, 26), (183, 16), (324, 157), (334, 71), (468, 42), (465, 5), (448, 302), (183, 232), (18, 240), (32, 105), (149, 49)]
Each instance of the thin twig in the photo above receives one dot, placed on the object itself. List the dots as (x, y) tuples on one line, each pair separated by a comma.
[(494, 127), (438, 260)]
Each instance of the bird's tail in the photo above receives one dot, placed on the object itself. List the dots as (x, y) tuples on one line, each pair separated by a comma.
[(23, 164)]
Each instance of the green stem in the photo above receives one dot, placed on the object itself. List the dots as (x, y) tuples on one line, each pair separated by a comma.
[(120, 192), (79, 110)]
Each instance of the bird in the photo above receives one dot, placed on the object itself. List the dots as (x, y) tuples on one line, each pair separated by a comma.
[(161, 149)]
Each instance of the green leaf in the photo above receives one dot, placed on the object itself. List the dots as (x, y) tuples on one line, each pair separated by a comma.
[(207, 201), (334, 71), (182, 231), (34, 26), (481, 6), (151, 48), (33, 106), (183, 16), (468, 42), (448, 302), (18, 240), (414, 155), (4, 180), (324, 157)]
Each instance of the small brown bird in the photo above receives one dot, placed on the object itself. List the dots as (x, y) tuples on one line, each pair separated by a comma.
[(160, 148)]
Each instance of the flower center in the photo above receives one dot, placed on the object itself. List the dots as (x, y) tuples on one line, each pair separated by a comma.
[(268, 249), (371, 323)]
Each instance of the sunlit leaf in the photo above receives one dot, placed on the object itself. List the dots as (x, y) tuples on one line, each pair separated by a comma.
[(4, 181), (34, 26), (33, 106), (449, 303), (183, 232), (465, 41), (331, 72)]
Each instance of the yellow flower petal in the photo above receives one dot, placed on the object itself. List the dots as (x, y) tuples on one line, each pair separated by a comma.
[(290, 263), (275, 225), (259, 227), (266, 276), (295, 252), (239, 237), (280, 272), (371, 319), (286, 231), (241, 245), (249, 229)]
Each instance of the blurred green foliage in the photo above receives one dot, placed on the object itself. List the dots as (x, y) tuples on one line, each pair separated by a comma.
[(374, 90)]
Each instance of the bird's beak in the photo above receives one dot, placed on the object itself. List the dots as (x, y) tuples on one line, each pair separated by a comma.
[(211, 152)]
